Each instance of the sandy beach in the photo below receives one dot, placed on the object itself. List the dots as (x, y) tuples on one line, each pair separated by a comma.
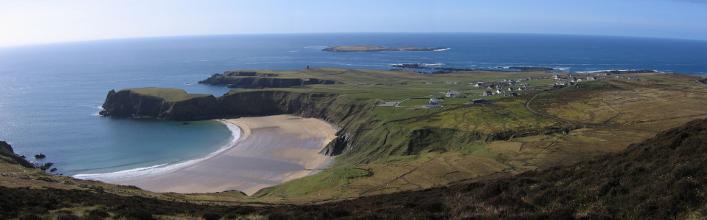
[(270, 150)]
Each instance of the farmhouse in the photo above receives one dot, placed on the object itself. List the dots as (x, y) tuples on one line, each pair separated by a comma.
[(433, 102), (452, 94)]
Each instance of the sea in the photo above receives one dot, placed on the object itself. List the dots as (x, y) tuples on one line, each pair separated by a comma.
[(50, 95)]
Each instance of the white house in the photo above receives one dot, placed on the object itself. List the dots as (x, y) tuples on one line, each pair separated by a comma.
[(433, 102), (451, 94)]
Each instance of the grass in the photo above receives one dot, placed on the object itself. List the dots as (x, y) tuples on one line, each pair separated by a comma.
[(409, 148), (393, 140), (338, 177), (593, 102), (170, 95), (661, 178)]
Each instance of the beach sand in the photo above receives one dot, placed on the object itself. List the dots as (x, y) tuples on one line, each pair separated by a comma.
[(271, 150)]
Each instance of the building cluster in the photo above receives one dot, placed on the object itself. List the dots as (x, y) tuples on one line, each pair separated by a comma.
[(574, 79), (571, 80), (435, 102), (506, 87)]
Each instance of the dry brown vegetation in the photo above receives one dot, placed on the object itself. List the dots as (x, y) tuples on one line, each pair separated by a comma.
[(476, 152), (662, 178)]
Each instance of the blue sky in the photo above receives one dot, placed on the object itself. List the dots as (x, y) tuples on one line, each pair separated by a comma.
[(43, 21)]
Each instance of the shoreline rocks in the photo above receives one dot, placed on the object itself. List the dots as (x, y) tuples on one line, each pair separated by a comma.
[(8, 154)]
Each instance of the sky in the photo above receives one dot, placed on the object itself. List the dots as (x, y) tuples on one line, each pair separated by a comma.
[(24, 22)]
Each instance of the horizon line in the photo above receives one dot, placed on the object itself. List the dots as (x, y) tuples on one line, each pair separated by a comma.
[(38, 44)]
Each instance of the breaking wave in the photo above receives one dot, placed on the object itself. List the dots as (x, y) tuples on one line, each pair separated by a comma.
[(161, 168)]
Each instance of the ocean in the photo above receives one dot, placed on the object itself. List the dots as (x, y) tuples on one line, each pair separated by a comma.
[(50, 94)]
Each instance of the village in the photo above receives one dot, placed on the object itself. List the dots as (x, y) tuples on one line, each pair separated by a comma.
[(483, 92)]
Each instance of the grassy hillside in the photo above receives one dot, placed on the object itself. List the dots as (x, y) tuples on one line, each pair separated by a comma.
[(170, 95), (664, 177), (396, 142), (412, 147)]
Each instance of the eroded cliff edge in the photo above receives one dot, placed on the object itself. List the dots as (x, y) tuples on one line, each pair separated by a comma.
[(8, 155), (349, 115)]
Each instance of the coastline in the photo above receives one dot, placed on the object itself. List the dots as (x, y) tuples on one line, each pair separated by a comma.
[(236, 135), (263, 152)]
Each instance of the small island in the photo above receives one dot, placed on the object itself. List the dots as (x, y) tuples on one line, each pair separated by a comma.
[(374, 48)]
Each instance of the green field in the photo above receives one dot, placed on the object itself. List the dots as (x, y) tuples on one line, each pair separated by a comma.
[(171, 95), (410, 146)]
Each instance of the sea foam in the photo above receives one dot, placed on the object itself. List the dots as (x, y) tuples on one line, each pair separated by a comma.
[(162, 168), (98, 113)]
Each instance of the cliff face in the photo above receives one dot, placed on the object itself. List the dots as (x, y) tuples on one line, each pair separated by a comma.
[(8, 155), (127, 103), (348, 114)]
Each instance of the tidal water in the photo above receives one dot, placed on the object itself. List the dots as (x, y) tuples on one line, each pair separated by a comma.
[(50, 94)]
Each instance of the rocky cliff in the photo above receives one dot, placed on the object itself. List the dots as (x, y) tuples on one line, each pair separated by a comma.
[(129, 103), (349, 115), (8, 155)]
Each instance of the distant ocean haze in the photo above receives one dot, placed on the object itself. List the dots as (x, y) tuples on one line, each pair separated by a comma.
[(50, 94)]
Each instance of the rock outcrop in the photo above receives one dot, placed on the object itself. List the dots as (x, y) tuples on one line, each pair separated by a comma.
[(8, 155), (128, 103)]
